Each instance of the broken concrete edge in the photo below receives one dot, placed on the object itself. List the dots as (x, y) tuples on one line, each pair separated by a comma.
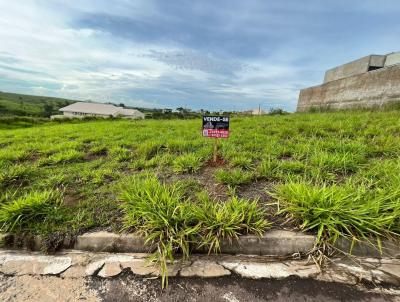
[(77, 264), (273, 243)]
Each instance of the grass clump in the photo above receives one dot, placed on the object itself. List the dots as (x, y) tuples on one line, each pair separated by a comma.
[(173, 223), (244, 162), (64, 157), (160, 213), (341, 211), (187, 163), (15, 174), (343, 163), (33, 207), (234, 177), (228, 220)]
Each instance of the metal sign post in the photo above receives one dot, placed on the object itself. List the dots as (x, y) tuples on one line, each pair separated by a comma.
[(217, 127)]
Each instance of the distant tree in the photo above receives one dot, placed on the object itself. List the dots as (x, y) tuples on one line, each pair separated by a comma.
[(277, 111), (180, 109), (122, 105), (48, 110)]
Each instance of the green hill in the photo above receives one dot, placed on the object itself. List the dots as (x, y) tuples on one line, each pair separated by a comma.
[(13, 104)]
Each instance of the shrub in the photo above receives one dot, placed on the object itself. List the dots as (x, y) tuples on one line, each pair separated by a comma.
[(188, 163), (32, 208)]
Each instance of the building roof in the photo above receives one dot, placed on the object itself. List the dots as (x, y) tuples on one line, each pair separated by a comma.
[(98, 108)]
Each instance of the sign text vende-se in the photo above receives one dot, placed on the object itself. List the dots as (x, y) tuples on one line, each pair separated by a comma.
[(216, 126)]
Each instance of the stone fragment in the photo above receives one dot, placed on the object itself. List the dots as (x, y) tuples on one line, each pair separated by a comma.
[(277, 270), (110, 270), (140, 267), (205, 269), (392, 269), (357, 271), (33, 264)]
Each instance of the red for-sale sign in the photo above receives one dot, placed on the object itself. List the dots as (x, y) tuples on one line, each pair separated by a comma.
[(216, 126)]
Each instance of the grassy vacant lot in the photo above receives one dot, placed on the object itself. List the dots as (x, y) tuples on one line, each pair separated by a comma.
[(335, 174)]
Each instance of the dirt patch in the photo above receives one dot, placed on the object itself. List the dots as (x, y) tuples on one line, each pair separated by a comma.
[(94, 156), (219, 162), (71, 198), (229, 289), (206, 180), (36, 288)]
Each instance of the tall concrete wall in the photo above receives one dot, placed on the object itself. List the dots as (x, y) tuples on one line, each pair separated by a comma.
[(355, 67), (392, 59), (368, 89)]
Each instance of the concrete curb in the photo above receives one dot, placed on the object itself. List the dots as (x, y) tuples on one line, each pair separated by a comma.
[(275, 243), (278, 243)]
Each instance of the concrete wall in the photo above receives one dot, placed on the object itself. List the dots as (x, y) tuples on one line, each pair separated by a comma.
[(364, 90), (392, 59), (354, 68)]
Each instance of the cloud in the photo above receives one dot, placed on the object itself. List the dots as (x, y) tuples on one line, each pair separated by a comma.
[(227, 54)]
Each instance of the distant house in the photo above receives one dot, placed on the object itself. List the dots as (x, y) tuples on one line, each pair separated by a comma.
[(81, 109)]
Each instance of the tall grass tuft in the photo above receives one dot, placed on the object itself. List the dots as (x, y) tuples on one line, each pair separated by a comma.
[(187, 163), (227, 220), (341, 211), (32, 208), (173, 223)]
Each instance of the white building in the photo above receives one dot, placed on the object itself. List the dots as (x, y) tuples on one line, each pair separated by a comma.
[(81, 109)]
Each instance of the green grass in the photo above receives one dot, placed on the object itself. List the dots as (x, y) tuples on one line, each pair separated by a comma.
[(167, 218), (30, 105), (333, 174), (34, 207), (234, 177), (187, 163), (355, 212)]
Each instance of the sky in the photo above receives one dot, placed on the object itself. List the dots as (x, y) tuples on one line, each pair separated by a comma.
[(200, 54)]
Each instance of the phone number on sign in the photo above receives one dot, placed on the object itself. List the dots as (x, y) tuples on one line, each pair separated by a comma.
[(216, 133)]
